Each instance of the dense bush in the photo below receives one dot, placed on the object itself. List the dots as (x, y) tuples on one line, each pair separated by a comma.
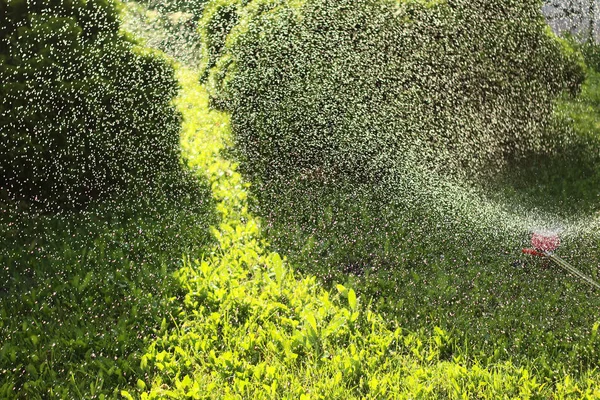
[(83, 110), (353, 91), (219, 17)]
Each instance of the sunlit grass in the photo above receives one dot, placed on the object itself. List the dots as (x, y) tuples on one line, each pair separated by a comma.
[(98, 304), (252, 327)]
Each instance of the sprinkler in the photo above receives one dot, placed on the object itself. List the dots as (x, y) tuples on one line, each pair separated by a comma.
[(544, 244)]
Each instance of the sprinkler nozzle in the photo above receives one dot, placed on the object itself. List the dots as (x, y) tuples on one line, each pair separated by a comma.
[(533, 252)]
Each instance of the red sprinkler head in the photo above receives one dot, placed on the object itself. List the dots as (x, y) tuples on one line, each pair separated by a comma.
[(543, 244), (533, 252)]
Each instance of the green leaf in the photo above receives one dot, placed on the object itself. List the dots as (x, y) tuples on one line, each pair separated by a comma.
[(126, 394), (312, 326), (144, 362), (352, 299), (312, 321), (278, 268), (334, 325)]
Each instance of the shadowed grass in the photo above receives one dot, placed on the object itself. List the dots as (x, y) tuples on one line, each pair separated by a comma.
[(83, 292)]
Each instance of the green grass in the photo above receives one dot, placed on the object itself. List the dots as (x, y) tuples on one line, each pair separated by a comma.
[(253, 327), (423, 269), (79, 296), (373, 302)]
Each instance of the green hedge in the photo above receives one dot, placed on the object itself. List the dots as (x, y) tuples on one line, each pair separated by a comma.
[(84, 111), (341, 89), (219, 17)]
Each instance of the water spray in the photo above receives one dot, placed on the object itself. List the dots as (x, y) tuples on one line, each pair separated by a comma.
[(543, 245)]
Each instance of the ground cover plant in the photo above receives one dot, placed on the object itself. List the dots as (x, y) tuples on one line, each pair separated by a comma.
[(231, 294), (79, 298), (238, 320), (323, 104)]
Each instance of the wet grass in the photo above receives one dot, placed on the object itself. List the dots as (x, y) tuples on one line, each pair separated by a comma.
[(422, 272), (79, 297), (252, 326), (99, 304)]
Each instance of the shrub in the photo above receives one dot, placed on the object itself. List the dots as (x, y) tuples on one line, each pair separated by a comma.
[(219, 17), (355, 91), (84, 111)]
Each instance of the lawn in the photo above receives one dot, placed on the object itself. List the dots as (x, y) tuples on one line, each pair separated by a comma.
[(79, 296), (254, 327), (220, 288)]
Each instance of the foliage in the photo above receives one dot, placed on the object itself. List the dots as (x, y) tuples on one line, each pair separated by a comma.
[(252, 327), (459, 269), (173, 33), (590, 51), (83, 293), (84, 111), (358, 92), (584, 112), (238, 321)]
